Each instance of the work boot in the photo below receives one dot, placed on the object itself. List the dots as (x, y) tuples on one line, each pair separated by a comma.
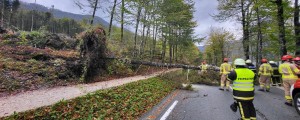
[(273, 84), (221, 89), (289, 104), (268, 90), (261, 90), (233, 107)]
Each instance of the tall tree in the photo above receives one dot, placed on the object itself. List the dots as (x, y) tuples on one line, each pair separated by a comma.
[(122, 20), (235, 8), (297, 27), (112, 17), (280, 20), (94, 4)]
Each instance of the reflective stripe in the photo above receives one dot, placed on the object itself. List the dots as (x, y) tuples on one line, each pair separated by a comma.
[(288, 97), (243, 98), (242, 111), (242, 82)]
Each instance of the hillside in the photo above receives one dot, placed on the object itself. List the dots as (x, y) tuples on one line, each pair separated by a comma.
[(61, 14)]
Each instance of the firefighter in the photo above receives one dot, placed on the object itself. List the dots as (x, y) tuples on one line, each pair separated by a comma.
[(250, 65), (276, 75), (224, 71), (289, 75), (203, 67), (265, 72), (243, 90)]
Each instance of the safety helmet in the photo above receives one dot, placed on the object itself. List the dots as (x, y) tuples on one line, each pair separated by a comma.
[(264, 60), (239, 61), (225, 59), (296, 59), (286, 57), (248, 61), (271, 62)]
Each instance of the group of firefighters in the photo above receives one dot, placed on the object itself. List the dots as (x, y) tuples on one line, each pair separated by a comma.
[(243, 74)]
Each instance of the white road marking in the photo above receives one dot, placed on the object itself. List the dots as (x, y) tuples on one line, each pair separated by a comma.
[(167, 113)]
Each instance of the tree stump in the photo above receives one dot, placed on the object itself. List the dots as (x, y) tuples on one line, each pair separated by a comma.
[(93, 54)]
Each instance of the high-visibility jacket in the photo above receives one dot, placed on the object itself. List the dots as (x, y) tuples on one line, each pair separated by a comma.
[(265, 69), (243, 86), (225, 68), (289, 71)]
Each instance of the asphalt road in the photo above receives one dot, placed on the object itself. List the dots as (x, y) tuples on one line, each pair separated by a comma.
[(209, 103)]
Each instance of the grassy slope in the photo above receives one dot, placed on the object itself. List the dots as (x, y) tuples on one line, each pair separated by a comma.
[(125, 102)]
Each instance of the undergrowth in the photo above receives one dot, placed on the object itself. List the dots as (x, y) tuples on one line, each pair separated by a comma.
[(129, 101)]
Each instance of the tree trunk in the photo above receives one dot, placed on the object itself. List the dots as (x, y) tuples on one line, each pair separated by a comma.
[(281, 35), (297, 28), (259, 35), (112, 17), (136, 30), (122, 21), (245, 31), (2, 13), (94, 12)]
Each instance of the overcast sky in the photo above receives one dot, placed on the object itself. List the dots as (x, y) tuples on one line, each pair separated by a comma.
[(204, 10)]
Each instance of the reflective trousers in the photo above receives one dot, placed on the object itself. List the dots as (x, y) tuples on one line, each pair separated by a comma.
[(247, 110), (264, 81), (287, 86), (224, 81)]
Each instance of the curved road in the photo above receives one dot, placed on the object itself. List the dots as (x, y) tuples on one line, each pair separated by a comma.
[(209, 103)]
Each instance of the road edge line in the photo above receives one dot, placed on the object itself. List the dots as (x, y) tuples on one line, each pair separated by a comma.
[(167, 113)]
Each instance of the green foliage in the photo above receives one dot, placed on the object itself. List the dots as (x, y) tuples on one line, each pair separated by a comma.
[(129, 101), (117, 67), (194, 77)]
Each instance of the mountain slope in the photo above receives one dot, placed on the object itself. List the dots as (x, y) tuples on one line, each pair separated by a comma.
[(61, 14)]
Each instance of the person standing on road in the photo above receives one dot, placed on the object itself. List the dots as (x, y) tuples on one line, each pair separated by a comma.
[(289, 76), (265, 72), (243, 90), (276, 75), (224, 71), (203, 67), (250, 65)]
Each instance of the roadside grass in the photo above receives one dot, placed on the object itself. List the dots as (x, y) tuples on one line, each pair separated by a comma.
[(180, 76), (129, 101)]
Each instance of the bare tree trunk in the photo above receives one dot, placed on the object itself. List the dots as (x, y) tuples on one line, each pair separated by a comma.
[(245, 31), (94, 12), (297, 28), (112, 17), (281, 35), (136, 30), (122, 21), (259, 35), (2, 13)]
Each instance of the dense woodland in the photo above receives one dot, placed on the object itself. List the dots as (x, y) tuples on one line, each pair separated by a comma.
[(270, 29), (162, 32)]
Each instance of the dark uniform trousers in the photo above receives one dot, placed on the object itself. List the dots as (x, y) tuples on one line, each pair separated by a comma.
[(247, 109)]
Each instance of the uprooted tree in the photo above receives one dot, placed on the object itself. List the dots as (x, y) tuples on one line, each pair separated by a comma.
[(93, 54), (95, 58)]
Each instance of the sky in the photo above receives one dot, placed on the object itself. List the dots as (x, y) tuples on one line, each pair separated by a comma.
[(204, 9)]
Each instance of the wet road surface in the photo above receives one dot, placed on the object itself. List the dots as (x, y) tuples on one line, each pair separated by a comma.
[(209, 103)]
